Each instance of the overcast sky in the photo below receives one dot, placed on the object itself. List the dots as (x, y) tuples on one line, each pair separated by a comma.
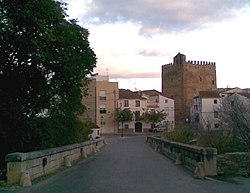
[(134, 38)]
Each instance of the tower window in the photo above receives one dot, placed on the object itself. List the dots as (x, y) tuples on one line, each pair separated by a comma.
[(212, 81)]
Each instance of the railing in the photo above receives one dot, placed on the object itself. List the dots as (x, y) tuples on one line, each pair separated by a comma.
[(39, 163), (201, 160)]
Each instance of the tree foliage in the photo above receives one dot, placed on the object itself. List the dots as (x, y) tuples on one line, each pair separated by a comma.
[(44, 59), (124, 115), (154, 117), (235, 115)]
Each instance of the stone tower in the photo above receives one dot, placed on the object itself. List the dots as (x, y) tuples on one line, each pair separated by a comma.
[(182, 80)]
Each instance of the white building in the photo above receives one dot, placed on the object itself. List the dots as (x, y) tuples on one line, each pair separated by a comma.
[(145, 101), (204, 111), (160, 103), (138, 105)]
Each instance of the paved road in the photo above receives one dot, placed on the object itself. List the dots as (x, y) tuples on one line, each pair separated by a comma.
[(128, 165)]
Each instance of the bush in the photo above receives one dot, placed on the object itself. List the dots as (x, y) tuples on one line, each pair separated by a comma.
[(223, 143), (182, 135)]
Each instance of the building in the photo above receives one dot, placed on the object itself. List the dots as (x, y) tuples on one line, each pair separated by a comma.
[(145, 101), (101, 103), (182, 80), (204, 111), (138, 105), (157, 102)]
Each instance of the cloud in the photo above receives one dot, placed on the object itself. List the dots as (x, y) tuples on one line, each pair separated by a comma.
[(128, 75), (150, 53), (163, 16)]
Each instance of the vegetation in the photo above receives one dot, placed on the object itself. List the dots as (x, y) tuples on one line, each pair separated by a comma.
[(124, 115), (153, 117), (223, 143), (44, 61), (235, 112), (182, 133)]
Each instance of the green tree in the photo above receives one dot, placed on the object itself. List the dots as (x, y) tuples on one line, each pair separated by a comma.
[(124, 115), (44, 61), (154, 117)]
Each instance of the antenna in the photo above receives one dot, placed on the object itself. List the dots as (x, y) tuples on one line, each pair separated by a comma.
[(107, 71)]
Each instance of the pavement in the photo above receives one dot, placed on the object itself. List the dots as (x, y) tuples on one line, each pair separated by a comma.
[(128, 165)]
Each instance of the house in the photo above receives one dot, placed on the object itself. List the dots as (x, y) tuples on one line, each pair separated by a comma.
[(157, 102), (101, 103), (137, 104), (204, 111), (141, 102)]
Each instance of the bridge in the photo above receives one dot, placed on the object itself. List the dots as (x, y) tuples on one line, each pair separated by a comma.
[(128, 165)]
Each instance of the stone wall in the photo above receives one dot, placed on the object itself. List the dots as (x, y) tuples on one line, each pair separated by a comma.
[(234, 164), (193, 157), (39, 163)]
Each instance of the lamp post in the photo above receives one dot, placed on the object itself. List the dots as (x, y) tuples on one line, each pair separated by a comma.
[(101, 123), (122, 126)]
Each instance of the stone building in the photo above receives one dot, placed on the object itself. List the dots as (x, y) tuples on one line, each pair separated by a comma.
[(182, 80)]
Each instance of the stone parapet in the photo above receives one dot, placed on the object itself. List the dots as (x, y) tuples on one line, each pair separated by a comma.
[(188, 155), (39, 163)]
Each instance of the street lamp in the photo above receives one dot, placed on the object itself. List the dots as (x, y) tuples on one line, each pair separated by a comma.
[(101, 123)]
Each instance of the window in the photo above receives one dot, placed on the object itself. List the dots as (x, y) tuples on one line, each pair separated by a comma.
[(212, 81), (102, 95), (200, 79), (216, 114), (103, 109), (166, 101), (126, 103), (126, 126), (215, 101), (137, 103)]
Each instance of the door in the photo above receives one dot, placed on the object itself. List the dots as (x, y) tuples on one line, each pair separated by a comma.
[(138, 127)]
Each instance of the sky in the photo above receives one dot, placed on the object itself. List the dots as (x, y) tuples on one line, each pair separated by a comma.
[(134, 38)]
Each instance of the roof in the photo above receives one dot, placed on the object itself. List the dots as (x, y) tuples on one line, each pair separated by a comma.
[(128, 94), (245, 94), (150, 92), (209, 94)]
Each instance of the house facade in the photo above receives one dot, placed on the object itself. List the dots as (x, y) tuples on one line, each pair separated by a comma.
[(157, 102), (101, 103), (141, 102), (138, 106), (204, 111)]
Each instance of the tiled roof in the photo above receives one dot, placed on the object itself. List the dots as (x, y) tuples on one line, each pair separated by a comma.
[(209, 94), (151, 92), (128, 94)]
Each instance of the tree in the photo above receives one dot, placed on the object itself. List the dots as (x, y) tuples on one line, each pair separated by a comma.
[(154, 117), (124, 115), (235, 115), (44, 61)]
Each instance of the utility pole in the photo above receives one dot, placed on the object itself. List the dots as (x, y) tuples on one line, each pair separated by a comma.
[(115, 108)]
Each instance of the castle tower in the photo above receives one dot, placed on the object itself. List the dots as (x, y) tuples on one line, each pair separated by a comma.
[(182, 80)]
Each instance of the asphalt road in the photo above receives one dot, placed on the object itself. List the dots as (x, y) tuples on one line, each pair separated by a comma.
[(128, 165)]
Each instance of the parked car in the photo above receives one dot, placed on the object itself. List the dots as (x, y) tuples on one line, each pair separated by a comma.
[(157, 128)]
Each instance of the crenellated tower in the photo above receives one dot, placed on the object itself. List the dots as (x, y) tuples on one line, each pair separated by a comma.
[(182, 80)]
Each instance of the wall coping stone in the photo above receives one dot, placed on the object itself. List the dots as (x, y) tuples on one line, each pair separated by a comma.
[(20, 156)]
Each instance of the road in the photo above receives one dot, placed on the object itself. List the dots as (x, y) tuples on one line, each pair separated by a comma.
[(128, 165)]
